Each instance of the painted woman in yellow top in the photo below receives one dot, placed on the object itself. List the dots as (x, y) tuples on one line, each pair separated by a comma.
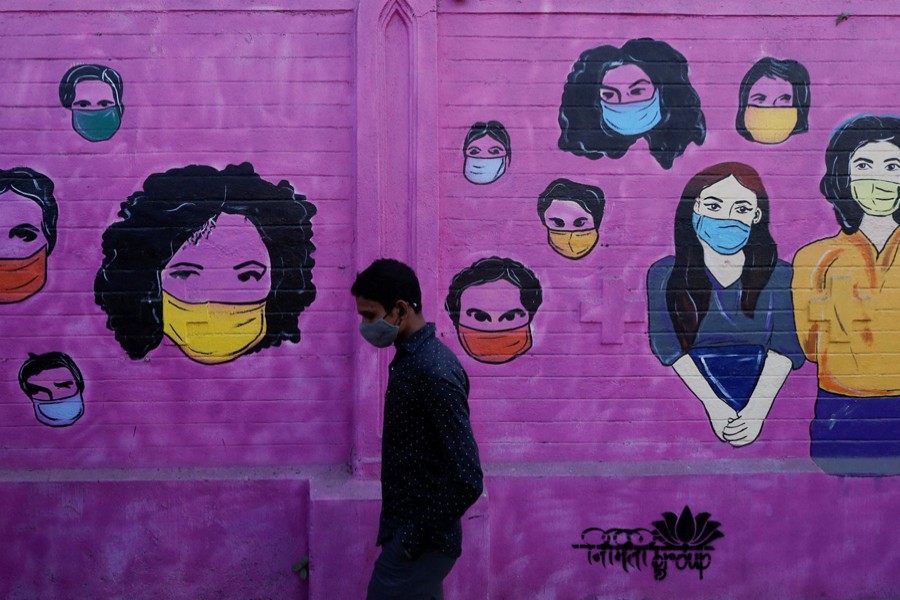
[(847, 303)]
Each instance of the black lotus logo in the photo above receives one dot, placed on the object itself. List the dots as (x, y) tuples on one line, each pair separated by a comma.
[(686, 531)]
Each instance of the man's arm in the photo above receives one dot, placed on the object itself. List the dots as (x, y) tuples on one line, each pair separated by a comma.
[(462, 478)]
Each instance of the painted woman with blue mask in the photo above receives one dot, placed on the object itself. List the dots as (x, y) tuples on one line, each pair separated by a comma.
[(487, 152), (93, 93), (614, 97), (720, 311)]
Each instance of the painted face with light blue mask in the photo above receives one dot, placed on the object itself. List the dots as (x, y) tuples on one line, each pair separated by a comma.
[(56, 397), (724, 215), (629, 101)]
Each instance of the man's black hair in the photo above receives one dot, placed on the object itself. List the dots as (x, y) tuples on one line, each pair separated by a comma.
[(387, 281)]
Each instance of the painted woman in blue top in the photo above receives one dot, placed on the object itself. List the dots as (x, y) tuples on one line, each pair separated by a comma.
[(720, 310)]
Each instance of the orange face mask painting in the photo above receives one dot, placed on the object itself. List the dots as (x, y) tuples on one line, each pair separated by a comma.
[(21, 278), (495, 347)]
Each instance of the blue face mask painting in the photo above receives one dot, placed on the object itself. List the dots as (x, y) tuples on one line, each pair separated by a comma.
[(632, 118), (96, 125), (725, 236), (59, 413)]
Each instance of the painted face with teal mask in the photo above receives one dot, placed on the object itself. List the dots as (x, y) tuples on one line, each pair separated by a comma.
[(724, 215), (96, 115), (628, 100)]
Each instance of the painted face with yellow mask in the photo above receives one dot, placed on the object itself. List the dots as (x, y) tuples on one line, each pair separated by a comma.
[(215, 289), (571, 230), (771, 116), (571, 212), (875, 178)]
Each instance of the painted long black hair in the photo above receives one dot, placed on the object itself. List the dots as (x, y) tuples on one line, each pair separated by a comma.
[(583, 131), (849, 137), (173, 206), (689, 288)]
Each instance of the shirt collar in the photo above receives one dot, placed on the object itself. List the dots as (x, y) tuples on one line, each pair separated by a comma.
[(415, 341)]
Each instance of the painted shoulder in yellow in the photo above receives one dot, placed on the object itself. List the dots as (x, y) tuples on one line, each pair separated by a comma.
[(847, 312)]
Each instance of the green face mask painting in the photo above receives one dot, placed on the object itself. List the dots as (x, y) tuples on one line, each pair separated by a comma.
[(877, 197), (96, 125)]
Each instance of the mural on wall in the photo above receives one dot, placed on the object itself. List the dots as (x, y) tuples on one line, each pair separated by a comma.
[(492, 304), (773, 101), (615, 96), (55, 386), (720, 310), (846, 294), (683, 539), (487, 152), (28, 214), (220, 262), (572, 213), (93, 94)]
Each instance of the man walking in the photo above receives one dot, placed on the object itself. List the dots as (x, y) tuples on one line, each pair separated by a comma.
[(430, 471)]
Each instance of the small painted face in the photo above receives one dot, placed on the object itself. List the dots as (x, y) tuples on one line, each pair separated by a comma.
[(93, 94), (876, 160), (565, 215), (492, 306), (625, 84), (728, 199), (54, 384), (771, 92), (20, 226), (227, 261), (485, 147)]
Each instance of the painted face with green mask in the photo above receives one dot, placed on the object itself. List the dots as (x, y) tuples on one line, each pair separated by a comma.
[(96, 115), (875, 178)]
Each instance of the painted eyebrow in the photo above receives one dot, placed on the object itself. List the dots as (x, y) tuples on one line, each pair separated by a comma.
[(892, 159), (249, 263), (187, 264), (66, 383), (863, 160), (713, 198), (743, 202), (640, 82)]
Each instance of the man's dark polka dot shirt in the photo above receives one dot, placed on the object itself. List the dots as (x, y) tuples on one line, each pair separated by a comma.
[(430, 471)]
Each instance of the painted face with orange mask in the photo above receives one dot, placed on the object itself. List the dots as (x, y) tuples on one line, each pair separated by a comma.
[(24, 245), (492, 314)]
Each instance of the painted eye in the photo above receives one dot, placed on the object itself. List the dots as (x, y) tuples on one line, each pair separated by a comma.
[(105, 103), (82, 103), (510, 315), (580, 222), (494, 150), (636, 92), (713, 207), (558, 223), (26, 233), (473, 151), (862, 166), (479, 315), (246, 275), (892, 167), (783, 99), (183, 274), (742, 210), (608, 95)]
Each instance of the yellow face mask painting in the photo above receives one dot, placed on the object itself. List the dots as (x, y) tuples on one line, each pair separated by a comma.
[(877, 197), (572, 244), (770, 125), (213, 332)]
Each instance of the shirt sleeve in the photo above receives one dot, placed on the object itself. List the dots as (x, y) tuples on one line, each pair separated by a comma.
[(462, 478), (784, 334), (805, 284), (663, 341)]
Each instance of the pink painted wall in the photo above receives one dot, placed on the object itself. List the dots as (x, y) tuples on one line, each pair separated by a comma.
[(185, 480)]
